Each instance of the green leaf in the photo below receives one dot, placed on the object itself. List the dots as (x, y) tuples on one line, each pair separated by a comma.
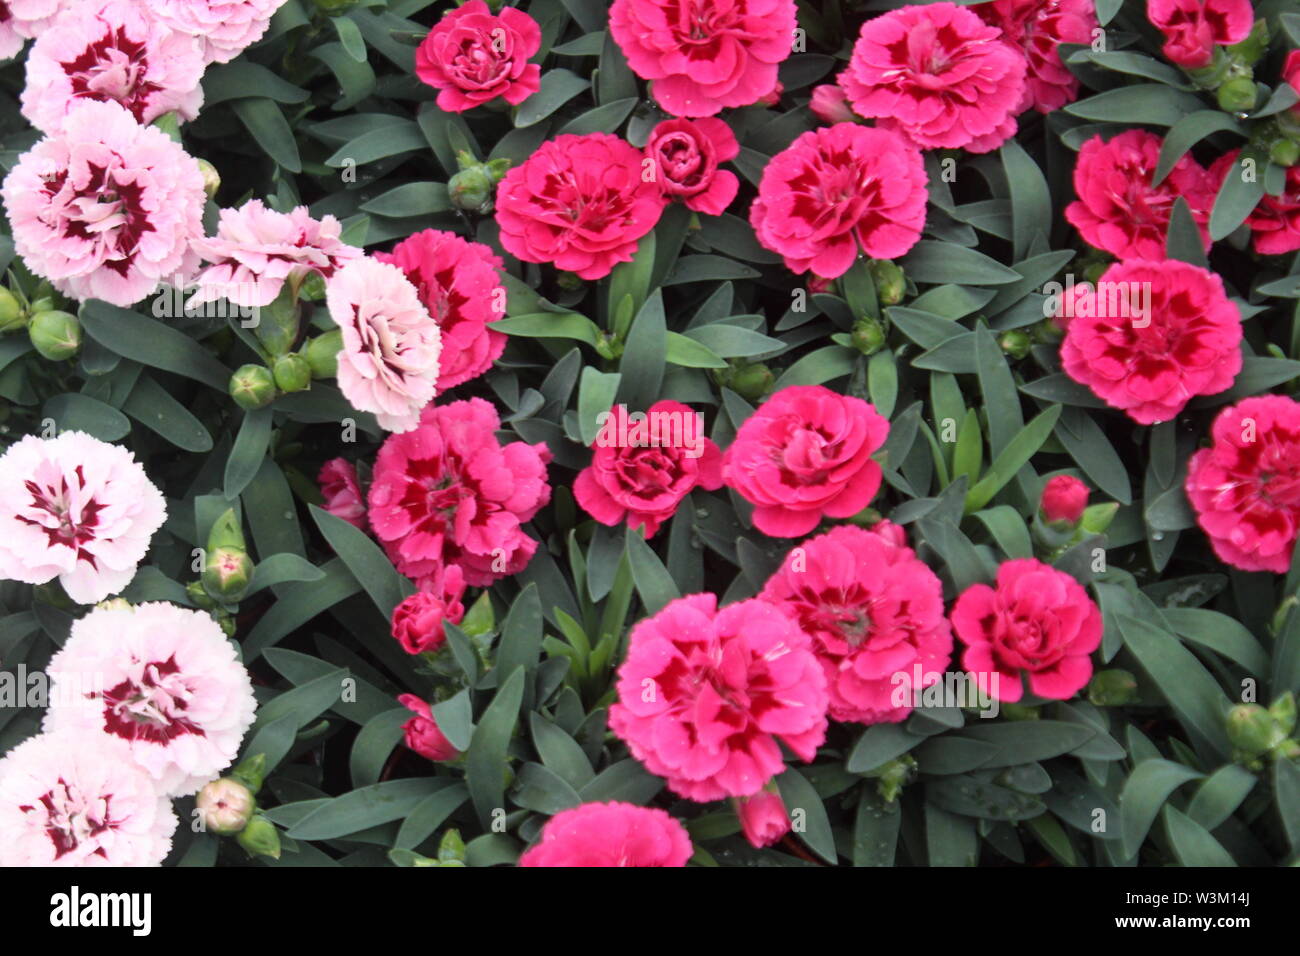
[(410, 199), (1031, 203), (244, 78), (944, 262), (374, 745), (1186, 133), (366, 560), (1092, 451), (652, 579), (602, 119), (1184, 238), (281, 568), (1242, 189), (1027, 741), (972, 797), (596, 391), (1017, 453), (366, 807), (806, 809), (298, 604), (249, 451), (1152, 103), (151, 343), (1286, 790), (73, 412), (1144, 793), (705, 268), (268, 127), (644, 356), (430, 814), (560, 753), (819, 367), (1220, 795), (486, 761), (153, 407), (1192, 843), (1221, 634), (558, 87), (521, 633), (550, 325), (875, 831), (731, 341), (689, 353), (879, 744)]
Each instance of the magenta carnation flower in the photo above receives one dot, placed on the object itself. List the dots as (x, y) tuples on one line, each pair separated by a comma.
[(704, 696), (875, 614), (1151, 336), (1064, 500), (472, 57), (223, 27), (389, 361), (105, 208), (686, 154), (70, 799), (1038, 621), (459, 283), (641, 472), (806, 453), (1275, 221), (837, 190), (1193, 28), (164, 679), (450, 493), (421, 732), (705, 56), (610, 834), (1245, 488), (114, 52), (579, 202), (938, 74), (24, 19), (1037, 28), (763, 818), (256, 250), (1119, 210), (417, 621), (342, 492), (77, 509)]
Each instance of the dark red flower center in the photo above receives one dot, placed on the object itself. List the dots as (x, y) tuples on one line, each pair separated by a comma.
[(151, 706), (72, 817)]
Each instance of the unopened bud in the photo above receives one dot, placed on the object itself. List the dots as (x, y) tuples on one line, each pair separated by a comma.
[(867, 335), (227, 573), (55, 335), (225, 806), (1063, 500), (252, 386), (891, 284), (211, 178), (1016, 343), (751, 382), (251, 771), (323, 354), (114, 604), (260, 838), (1112, 688), (1237, 95), (11, 313), (1285, 152), (471, 189), (1253, 730), (292, 373)]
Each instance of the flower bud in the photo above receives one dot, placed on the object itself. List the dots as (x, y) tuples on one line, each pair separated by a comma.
[(471, 189), (867, 335), (260, 838), (1285, 152), (1237, 95), (1112, 688), (762, 817), (892, 776), (323, 354), (891, 284), (225, 806), (251, 771), (1253, 730), (56, 335), (252, 386), (1064, 500), (114, 604), (751, 382), (292, 373), (227, 573), (1016, 343), (11, 313), (211, 178)]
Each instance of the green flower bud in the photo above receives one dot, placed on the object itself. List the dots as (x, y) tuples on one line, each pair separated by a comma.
[(471, 189), (292, 373), (260, 838), (1237, 95), (1016, 343), (1283, 711), (225, 806), (195, 592), (751, 382), (891, 284), (56, 335), (11, 312), (1285, 152), (1253, 730), (277, 326), (251, 771), (867, 335), (226, 532), (312, 288), (323, 354), (226, 574), (252, 386), (892, 776), (1112, 688), (211, 178), (114, 604)]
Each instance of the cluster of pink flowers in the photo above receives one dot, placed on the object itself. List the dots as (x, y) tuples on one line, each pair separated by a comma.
[(146, 703)]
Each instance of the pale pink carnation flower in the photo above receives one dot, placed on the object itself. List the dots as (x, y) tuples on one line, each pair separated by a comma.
[(112, 52), (389, 361), (68, 799), (163, 678), (225, 27), (77, 509), (105, 208), (257, 249), (24, 19)]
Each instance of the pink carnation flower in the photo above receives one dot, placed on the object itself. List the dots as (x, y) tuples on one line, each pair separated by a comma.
[(705, 56), (71, 799), (459, 283), (256, 250), (223, 27), (342, 492), (421, 732), (610, 834), (77, 509), (1119, 210), (763, 818), (163, 678), (1039, 621), (804, 455), (1036, 29), (1152, 336), (1064, 500), (105, 208), (417, 621), (640, 472), (114, 52), (472, 57), (450, 493), (938, 74), (837, 190), (389, 361), (704, 696), (875, 614), (579, 202), (1193, 28), (24, 19), (686, 154), (1245, 488)]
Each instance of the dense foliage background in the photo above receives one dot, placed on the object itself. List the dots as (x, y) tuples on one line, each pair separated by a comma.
[(326, 111)]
